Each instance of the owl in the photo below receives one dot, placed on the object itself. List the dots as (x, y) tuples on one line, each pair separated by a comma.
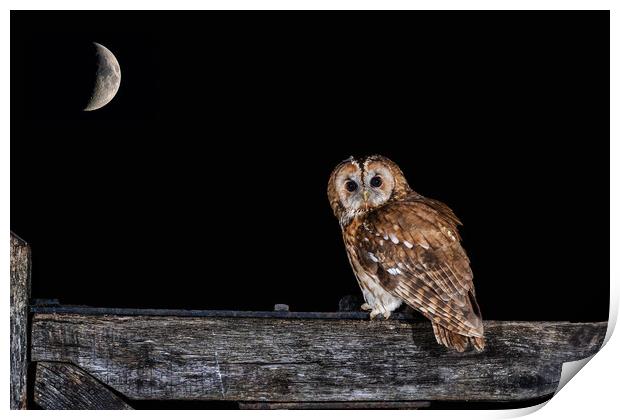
[(404, 247)]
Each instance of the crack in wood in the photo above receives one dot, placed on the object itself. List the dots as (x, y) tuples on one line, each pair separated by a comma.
[(219, 375)]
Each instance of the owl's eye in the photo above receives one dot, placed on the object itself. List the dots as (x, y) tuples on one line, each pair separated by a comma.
[(376, 181), (351, 186)]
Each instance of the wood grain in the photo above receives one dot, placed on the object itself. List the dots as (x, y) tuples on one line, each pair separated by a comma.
[(313, 360), (335, 405), (62, 386), (20, 295)]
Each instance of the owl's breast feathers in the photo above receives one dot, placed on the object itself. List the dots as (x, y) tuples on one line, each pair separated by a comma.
[(413, 248)]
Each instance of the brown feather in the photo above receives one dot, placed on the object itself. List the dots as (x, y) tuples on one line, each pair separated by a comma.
[(435, 275)]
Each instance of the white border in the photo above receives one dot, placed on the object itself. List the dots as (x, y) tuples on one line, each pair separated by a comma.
[(310, 5), (593, 394)]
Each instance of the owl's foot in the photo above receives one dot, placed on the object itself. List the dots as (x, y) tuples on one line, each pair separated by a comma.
[(375, 312)]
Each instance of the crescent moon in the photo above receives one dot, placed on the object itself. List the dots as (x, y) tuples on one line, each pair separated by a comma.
[(107, 78)]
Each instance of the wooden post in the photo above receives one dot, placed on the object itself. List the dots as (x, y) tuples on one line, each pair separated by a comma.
[(20, 295)]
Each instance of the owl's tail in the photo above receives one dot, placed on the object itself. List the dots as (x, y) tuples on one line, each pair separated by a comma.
[(456, 341)]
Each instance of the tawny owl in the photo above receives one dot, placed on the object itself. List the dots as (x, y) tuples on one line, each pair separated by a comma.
[(404, 247)]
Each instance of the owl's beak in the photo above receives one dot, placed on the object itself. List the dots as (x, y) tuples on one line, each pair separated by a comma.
[(365, 195)]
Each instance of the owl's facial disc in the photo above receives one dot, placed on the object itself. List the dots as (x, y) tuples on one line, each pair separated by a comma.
[(360, 185), (350, 186), (378, 183)]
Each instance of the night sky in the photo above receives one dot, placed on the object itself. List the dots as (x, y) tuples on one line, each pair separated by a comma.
[(202, 184)]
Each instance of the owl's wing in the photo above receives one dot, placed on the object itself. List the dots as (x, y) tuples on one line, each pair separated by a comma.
[(413, 248)]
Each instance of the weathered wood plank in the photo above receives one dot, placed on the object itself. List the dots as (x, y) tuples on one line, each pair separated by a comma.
[(20, 295), (62, 386), (291, 360), (336, 405), (89, 310)]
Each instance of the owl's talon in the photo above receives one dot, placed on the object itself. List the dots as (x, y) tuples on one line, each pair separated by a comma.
[(366, 307), (374, 313)]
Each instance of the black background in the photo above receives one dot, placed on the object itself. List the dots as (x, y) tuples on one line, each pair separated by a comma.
[(203, 183)]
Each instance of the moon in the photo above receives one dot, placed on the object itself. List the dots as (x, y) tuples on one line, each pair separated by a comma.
[(107, 78)]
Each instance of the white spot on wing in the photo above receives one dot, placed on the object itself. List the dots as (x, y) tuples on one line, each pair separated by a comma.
[(373, 257), (393, 238), (408, 244)]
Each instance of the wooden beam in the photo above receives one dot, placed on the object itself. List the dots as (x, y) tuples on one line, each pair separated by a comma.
[(89, 310), (150, 357), (20, 295), (336, 405), (62, 386)]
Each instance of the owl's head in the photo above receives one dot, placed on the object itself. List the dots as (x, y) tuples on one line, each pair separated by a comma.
[(360, 185)]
